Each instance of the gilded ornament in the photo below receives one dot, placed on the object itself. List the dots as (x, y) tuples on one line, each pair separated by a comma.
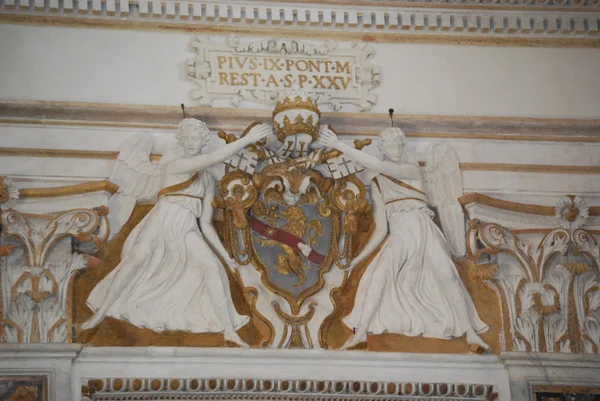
[(300, 125), (544, 308), (297, 102)]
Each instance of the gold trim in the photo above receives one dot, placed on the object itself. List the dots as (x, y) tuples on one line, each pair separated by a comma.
[(403, 184), (62, 107), (112, 155), (64, 153), (69, 190), (353, 123), (530, 168), (403, 199), (81, 123), (377, 37), (565, 389), (506, 205), (407, 4), (178, 187), (443, 135)]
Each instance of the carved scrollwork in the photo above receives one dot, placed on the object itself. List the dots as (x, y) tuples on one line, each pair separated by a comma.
[(549, 287), (37, 303)]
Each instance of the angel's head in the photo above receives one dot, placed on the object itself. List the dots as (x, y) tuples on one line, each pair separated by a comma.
[(192, 135), (391, 143)]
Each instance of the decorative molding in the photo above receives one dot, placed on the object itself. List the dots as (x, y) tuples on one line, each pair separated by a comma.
[(507, 5), (112, 155), (543, 26), (475, 198), (21, 387), (64, 153), (334, 75), (117, 389), (429, 126), (36, 296), (548, 283), (68, 190)]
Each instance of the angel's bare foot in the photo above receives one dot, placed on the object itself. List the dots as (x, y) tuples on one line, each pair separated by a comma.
[(231, 335), (476, 343), (93, 321), (358, 337)]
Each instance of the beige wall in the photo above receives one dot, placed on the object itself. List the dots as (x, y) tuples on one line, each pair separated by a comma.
[(144, 67)]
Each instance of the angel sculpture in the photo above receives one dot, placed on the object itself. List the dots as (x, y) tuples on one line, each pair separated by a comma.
[(168, 277), (411, 286)]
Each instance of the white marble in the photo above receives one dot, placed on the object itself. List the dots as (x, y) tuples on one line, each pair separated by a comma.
[(529, 369), (289, 364), (52, 360), (169, 258)]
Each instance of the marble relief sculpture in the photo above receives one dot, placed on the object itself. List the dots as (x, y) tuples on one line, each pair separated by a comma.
[(295, 220), (169, 278), (411, 287)]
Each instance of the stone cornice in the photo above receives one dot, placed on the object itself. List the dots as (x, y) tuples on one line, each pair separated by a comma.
[(229, 119), (420, 21)]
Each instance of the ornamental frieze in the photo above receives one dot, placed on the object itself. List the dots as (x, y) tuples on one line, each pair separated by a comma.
[(303, 241)]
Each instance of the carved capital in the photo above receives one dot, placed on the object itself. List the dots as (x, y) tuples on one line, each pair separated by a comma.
[(37, 276), (548, 279)]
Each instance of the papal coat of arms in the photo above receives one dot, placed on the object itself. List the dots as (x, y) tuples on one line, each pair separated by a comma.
[(291, 221), (295, 235)]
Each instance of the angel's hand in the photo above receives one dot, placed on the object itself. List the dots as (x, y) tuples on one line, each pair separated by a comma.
[(232, 264), (327, 138), (259, 132)]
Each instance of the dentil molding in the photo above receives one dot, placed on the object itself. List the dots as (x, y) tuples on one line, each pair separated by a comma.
[(516, 22)]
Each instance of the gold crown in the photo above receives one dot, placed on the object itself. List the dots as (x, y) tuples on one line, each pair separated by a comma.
[(299, 126), (296, 103)]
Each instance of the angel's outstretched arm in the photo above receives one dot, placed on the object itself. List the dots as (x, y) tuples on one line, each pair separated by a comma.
[(381, 225), (206, 225), (396, 170), (203, 161)]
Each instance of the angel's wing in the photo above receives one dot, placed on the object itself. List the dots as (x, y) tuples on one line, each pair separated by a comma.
[(136, 175), (444, 186)]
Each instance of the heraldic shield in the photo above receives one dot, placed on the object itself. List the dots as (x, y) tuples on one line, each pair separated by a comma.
[(293, 226), (291, 213)]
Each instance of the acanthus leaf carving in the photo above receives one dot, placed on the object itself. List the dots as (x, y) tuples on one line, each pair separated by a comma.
[(548, 283), (36, 277)]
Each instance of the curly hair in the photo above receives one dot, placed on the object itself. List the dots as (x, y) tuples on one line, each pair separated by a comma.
[(194, 124)]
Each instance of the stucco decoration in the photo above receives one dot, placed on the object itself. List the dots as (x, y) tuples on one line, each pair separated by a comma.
[(280, 389), (41, 255), (170, 276), (256, 72), (412, 287), (547, 277)]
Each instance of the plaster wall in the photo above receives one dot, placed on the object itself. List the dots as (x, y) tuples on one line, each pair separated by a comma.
[(141, 67), (521, 186), (135, 67)]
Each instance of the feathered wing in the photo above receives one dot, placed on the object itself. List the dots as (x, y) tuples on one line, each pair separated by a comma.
[(444, 186), (137, 176)]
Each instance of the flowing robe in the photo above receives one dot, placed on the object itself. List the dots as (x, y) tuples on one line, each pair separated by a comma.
[(179, 283), (413, 281)]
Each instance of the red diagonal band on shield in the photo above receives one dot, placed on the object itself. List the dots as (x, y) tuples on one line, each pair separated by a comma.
[(284, 237)]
